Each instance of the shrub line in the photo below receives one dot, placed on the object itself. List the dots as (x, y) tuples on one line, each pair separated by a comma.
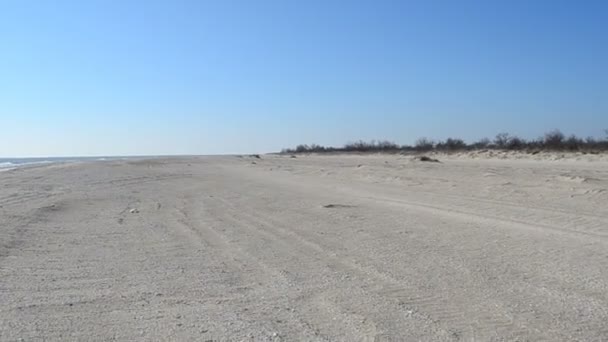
[(552, 141)]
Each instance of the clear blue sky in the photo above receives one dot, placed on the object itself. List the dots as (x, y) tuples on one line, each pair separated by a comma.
[(202, 77)]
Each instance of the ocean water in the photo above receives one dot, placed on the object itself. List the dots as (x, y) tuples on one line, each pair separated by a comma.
[(13, 163)]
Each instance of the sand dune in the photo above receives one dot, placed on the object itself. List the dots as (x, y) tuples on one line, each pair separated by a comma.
[(316, 248)]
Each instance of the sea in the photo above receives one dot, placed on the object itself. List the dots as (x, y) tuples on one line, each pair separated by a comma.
[(14, 163)]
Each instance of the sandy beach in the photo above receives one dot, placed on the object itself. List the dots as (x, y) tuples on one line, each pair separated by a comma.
[(308, 248)]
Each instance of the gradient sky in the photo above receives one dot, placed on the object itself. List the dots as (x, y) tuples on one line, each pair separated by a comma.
[(204, 77)]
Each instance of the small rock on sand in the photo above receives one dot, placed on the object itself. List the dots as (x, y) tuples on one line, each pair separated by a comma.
[(134, 211)]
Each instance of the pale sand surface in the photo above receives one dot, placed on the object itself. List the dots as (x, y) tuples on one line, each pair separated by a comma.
[(313, 248)]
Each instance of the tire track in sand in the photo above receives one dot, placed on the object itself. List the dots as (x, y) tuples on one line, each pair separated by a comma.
[(442, 312)]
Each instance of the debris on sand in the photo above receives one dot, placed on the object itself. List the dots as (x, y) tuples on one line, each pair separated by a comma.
[(134, 211), (332, 205), (293, 156), (256, 156), (428, 159), (50, 208)]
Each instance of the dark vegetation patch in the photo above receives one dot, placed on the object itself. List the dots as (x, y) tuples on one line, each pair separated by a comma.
[(551, 141), (427, 159)]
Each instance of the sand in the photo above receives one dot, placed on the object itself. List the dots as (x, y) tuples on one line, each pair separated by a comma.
[(313, 248)]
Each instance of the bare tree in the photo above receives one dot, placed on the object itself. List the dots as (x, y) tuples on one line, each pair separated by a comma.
[(501, 140), (424, 144), (554, 139)]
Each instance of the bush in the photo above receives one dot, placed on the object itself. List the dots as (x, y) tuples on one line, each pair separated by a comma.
[(451, 144), (515, 143), (554, 140), (573, 143), (302, 148), (387, 146), (373, 146), (456, 144), (424, 144), (501, 140), (481, 144)]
